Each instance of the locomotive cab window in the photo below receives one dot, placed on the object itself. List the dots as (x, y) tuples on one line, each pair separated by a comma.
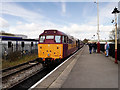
[(50, 37), (64, 39), (42, 38), (57, 39)]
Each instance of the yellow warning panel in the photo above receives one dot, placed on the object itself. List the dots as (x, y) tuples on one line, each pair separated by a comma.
[(50, 50)]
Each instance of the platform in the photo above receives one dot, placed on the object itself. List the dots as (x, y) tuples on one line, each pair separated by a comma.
[(84, 71), (93, 71)]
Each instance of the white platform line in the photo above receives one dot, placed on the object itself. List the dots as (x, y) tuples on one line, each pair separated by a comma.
[(50, 73)]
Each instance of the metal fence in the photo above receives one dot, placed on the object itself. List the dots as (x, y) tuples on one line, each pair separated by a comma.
[(111, 50)]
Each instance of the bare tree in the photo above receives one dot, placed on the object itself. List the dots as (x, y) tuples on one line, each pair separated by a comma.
[(112, 35)]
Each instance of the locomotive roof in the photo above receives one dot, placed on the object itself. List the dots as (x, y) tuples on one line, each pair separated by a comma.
[(56, 32), (53, 32)]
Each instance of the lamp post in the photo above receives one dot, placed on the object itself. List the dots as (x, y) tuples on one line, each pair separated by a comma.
[(115, 11), (98, 43)]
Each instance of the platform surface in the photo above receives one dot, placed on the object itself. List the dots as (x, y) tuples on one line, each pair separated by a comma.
[(92, 71)]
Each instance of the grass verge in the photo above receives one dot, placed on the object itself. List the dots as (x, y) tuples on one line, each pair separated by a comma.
[(26, 58)]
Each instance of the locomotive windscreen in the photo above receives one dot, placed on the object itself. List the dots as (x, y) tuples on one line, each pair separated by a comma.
[(57, 39), (50, 37), (42, 38)]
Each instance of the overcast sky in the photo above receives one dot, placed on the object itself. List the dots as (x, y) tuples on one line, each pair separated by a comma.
[(78, 19)]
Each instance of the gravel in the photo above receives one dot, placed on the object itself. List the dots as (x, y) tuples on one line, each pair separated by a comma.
[(10, 81)]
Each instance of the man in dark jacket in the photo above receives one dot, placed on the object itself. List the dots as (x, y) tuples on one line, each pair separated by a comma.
[(90, 48)]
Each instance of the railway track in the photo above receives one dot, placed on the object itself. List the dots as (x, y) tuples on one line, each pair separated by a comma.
[(34, 78), (24, 83), (13, 75), (19, 68), (31, 79)]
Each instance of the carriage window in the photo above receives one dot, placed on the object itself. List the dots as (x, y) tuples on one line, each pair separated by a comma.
[(50, 37), (9, 44), (58, 39), (22, 44), (67, 39), (42, 38), (31, 44), (70, 41)]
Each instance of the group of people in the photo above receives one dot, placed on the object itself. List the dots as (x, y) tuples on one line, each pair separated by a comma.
[(92, 46)]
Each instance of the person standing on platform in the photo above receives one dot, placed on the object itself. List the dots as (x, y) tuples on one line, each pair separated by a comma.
[(95, 47), (90, 48), (107, 49)]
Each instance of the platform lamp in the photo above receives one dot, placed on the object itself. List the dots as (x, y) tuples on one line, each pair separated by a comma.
[(115, 11)]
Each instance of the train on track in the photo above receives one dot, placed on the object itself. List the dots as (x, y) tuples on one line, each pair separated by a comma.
[(54, 46), (15, 44)]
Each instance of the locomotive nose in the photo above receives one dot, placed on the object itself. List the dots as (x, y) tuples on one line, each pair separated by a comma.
[(50, 50)]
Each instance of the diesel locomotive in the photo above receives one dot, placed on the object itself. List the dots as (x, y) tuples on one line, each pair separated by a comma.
[(54, 46)]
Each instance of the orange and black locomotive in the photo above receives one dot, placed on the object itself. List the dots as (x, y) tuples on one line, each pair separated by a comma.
[(55, 45)]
